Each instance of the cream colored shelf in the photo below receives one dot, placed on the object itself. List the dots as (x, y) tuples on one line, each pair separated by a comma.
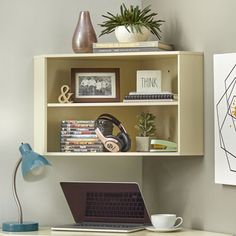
[(109, 154), (180, 121), (114, 104), (121, 55)]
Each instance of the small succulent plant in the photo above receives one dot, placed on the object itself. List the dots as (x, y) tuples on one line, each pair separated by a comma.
[(133, 18), (146, 124)]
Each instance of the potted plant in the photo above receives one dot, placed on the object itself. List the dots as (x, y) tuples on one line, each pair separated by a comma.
[(132, 24), (146, 128)]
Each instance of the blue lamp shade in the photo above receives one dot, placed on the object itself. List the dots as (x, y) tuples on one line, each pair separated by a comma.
[(33, 167)]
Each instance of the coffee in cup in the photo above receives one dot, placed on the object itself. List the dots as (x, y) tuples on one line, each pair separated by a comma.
[(166, 221)]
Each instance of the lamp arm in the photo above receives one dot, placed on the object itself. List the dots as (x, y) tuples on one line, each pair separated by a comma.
[(20, 214)]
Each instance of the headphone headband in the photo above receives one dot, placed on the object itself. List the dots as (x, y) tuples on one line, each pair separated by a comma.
[(111, 118)]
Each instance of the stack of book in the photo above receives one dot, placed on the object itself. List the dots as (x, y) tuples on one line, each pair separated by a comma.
[(147, 46), (148, 97), (79, 136)]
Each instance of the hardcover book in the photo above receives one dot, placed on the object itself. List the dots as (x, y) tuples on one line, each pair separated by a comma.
[(134, 49), (146, 44)]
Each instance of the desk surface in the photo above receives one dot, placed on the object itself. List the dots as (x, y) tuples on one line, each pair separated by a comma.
[(48, 232)]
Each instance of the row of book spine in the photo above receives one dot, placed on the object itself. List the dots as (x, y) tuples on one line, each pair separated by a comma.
[(79, 136)]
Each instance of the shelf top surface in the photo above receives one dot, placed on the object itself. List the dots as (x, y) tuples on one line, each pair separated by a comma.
[(110, 154), (117, 55), (114, 104)]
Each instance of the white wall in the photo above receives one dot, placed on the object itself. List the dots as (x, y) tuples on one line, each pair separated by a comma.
[(186, 185), (29, 28)]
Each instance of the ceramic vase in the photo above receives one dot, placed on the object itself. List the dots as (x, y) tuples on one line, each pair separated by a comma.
[(125, 36), (142, 144), (84, 35)]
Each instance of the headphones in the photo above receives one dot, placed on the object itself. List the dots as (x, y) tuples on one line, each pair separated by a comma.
[(119, 143)]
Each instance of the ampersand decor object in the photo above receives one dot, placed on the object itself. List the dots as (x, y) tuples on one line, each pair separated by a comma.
[(65, 95)]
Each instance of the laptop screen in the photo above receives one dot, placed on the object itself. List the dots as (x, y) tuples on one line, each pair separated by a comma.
[(106, 202)]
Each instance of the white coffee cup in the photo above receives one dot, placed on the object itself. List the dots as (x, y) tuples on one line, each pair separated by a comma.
[(166, 221)]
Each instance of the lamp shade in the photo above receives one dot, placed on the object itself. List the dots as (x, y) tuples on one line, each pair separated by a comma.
[(33, 165)]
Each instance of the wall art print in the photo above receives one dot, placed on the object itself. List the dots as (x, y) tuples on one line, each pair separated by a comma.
[(225, 118)]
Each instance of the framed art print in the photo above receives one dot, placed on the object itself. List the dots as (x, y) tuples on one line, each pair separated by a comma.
[(225, 118), (95, 84)]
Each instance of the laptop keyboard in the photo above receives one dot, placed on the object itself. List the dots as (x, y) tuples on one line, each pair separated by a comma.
[(124, 204)]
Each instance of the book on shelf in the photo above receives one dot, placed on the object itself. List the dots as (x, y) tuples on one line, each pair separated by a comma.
[(111, 50), (77, 132), (151, 96), (69, 147), (77, 121), (77, 125), (79, 139), (84, 150), (78, 136), (75, 129), (147, 100), (146, 44), (148, 93), (68, 143)]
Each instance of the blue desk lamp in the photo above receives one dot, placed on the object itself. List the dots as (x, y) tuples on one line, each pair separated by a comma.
[(33, 169)]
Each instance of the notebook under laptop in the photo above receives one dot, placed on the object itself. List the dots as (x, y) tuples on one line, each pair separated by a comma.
[(105, 207)]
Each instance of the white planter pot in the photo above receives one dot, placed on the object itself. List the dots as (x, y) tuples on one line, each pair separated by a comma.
[(124, 36), (142, 144)]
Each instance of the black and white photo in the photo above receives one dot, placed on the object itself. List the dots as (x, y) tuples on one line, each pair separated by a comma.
[(95, 85)]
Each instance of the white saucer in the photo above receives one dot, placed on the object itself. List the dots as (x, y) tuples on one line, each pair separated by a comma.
[(153, 229)]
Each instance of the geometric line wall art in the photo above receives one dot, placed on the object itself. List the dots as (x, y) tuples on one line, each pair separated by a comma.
[(225, 118)]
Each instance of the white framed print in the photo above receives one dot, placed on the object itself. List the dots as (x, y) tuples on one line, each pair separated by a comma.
[(225, 118), (148, 81)]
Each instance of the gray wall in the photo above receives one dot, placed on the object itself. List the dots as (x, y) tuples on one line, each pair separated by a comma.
[(186, 185), (29, 28), (182, 185)]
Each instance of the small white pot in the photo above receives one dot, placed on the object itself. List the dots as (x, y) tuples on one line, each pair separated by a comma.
[(142, 144), (124, 36)]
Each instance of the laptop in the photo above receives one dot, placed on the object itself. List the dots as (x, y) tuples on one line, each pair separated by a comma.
[(105, 207)]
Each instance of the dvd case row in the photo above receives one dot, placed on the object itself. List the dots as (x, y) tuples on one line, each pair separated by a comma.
[(79, 136)]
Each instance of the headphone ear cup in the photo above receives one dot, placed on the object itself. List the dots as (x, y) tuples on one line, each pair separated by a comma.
[(113, 144), (126, 141)]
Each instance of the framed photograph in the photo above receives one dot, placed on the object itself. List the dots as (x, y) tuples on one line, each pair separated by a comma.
[(148, 81), (95, 84)]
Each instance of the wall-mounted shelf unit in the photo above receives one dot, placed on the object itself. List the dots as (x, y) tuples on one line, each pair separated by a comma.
[(180, 121)]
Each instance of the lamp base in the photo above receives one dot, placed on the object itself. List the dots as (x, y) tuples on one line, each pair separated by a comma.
[(17, 227)]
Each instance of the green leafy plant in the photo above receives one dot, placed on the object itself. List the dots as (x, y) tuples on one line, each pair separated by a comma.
[(133, 19), (146, 124)]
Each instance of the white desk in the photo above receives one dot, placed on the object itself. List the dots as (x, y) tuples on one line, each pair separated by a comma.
[(48, 232)]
